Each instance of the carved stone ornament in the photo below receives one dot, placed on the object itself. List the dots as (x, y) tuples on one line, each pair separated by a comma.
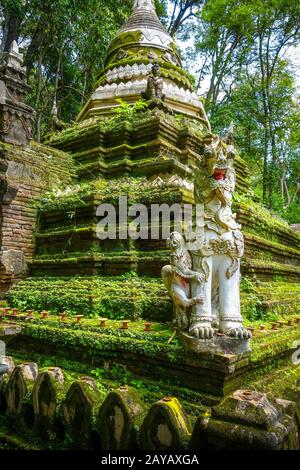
[(16, 118)]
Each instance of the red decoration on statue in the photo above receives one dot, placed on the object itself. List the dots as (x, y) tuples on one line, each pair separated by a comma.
[(219, 174)]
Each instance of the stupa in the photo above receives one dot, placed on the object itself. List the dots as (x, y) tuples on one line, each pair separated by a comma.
[(54, 268), (151, 158)]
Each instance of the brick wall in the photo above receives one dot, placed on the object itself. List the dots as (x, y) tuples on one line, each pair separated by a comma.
[(26, 173)]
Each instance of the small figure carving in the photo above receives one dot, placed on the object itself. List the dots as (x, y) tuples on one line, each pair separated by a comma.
[(177, 277), (154, 85)]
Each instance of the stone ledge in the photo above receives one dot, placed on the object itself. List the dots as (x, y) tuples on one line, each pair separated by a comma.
[(220, 344)]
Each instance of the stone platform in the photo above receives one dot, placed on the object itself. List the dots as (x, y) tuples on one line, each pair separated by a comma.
[(7, 332), (219, 343)]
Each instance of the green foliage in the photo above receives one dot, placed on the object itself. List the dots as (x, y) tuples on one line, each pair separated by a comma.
[(292, 212), (119, 298), (103, 344), (126, 113), (252, 308), (116, 373), (137, 189), (243, 47), (65, 45), (245, 108), (276, 343), (249, 284)]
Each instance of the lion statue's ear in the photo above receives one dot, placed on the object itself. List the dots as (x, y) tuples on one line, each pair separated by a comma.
[(212, 148), (231, 152), (209, 150)]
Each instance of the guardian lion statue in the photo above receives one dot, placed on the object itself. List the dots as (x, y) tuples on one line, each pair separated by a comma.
[(208, 297)]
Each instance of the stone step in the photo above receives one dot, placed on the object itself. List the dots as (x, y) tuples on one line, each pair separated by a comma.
[(129, 296)]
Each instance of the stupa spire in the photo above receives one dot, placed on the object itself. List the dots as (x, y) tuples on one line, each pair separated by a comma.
[(148, 4), (144, 16), (141, 42)]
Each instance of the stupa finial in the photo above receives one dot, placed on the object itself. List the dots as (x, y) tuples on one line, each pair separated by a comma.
[(147, 4)]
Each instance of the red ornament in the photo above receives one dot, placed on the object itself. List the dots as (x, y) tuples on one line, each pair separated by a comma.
[(219, 174)]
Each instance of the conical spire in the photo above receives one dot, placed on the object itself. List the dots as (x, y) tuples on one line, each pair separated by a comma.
[(143, 29), (148, 4), (140, 43), (144, 17), (16, 117)]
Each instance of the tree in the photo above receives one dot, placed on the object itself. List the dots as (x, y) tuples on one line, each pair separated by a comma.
[(246, 37), (245, 107), (11, 14), (64, 44), (277, 27), (182, 10)]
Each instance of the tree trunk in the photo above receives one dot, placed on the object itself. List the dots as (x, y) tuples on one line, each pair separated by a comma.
[(11, 34), (33, 47), (265, 166)]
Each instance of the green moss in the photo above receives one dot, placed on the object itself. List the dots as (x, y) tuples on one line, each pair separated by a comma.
[(117, 297), (149, 390), (130, 296), (77, 130), (125, 39), (270, 247), (272, 344), (9, 441), (278, 381), (167, 70), (4, 146), (259, 220), (137, 190), (100, 343)]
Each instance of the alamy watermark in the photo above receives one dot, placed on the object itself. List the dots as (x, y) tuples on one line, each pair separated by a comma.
[(153, 222)]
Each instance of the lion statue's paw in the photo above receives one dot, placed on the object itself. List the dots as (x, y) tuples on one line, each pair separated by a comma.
[(202, 332), (239, 332)]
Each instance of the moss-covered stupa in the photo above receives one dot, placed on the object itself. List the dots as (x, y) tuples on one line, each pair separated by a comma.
[(142, 41), (149, 156), (52, 259)]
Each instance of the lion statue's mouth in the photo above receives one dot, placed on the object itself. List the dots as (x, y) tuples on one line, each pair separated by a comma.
[(219, 173)]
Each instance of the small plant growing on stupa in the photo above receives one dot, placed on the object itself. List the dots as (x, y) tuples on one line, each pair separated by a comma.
[(126, 112)]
